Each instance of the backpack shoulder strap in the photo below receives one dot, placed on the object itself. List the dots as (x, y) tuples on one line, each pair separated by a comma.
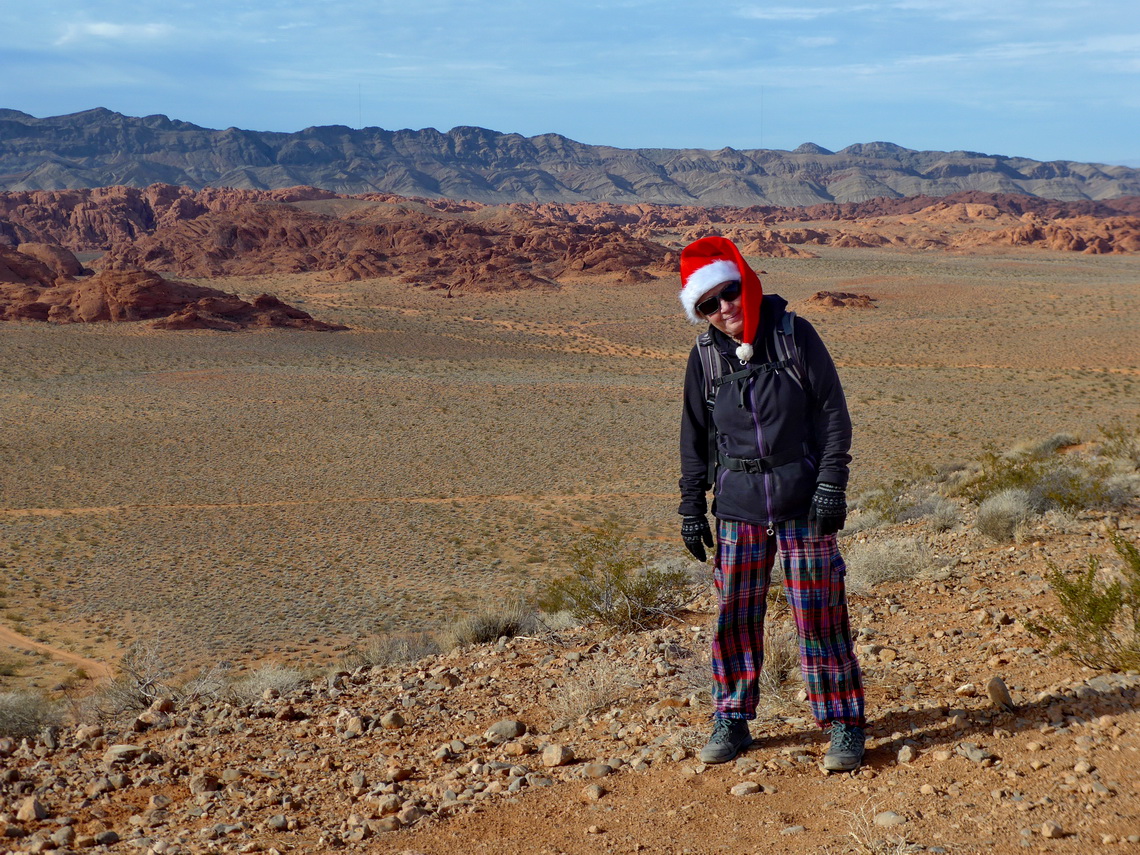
[(712, 366), (788, 349)]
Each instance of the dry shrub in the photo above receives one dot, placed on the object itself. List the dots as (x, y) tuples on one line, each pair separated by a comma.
[(25, 713), (387, 650), (598, 684), (781, 668), (144, 674), (1120, 442), (869, 564), (1000, 515), (254, 685), (485, 627)]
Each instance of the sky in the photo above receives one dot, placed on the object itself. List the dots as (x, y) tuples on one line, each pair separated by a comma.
[(1044, 79)]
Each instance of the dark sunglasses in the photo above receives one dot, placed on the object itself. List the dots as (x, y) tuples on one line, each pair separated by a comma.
[(711, 304)]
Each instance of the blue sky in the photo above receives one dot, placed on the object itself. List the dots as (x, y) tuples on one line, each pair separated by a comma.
[(1043, 79)]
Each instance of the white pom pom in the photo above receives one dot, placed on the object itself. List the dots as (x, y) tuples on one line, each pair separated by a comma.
[(744, 352)]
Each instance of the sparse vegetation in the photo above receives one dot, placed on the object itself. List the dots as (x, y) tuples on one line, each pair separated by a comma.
[(597, 685), (25, 713), (1099, 624), (891, 560), (612, 583), (513, 619), (1000, 514), (276, 678), (386, 650)]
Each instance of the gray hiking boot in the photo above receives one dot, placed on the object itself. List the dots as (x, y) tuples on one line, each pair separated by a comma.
[(729, 737), (845, 754)]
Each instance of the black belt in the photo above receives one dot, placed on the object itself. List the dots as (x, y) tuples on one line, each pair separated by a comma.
[(756, 465)]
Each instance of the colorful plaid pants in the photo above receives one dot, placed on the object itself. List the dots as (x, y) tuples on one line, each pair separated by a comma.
[(814, 583)]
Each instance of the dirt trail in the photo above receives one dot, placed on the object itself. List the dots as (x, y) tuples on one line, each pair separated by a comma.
[(94, 669)]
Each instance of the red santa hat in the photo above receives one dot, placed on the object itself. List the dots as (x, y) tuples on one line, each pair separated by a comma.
[(708, 262)]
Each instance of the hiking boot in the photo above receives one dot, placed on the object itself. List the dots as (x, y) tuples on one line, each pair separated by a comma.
[(845, 754), (729, 737)]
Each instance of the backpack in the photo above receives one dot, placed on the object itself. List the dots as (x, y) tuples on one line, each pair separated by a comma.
[(714, 367)]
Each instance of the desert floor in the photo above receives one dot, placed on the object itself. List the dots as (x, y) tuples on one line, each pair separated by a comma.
[(284, 495)]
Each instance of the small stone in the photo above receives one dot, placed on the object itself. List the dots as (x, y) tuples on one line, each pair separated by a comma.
[(793, 829), (999, 693), (907, 754), (593, 792), (595, 829), (746, 788), (942, 755), (504, 731), (119, 754), (889, 819), (597, 770), (31, 810), (278, 822), (927, 790), (557, 755), (966, 690), (392, 721), (1083, 767), (204, 783), (1034, 746), (106, 838), (1052, 830), (1108, 839), (409, 814), (888, 654)]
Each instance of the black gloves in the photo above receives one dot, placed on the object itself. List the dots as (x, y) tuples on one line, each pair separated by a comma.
[(828, 508), (697, 535)]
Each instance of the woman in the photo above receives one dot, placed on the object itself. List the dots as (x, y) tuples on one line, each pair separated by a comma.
[(765, 424)]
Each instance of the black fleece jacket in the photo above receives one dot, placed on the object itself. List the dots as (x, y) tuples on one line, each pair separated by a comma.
[(764, 415)]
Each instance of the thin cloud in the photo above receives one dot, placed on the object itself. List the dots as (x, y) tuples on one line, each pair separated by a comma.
[(785, 13), (114, 32)]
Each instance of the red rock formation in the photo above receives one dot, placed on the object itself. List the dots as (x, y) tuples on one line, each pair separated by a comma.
[(62, 262), (841, 300), (31, 292)]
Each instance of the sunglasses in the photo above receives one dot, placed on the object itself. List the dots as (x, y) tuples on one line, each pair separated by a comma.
[(712, 304)]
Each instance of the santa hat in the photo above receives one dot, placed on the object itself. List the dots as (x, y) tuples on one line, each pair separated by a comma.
[(708, 262)]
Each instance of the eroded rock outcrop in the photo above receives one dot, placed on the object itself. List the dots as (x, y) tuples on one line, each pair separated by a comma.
[(32, 293)]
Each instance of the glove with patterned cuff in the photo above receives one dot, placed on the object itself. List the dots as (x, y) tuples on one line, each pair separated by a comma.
[(828, 508), (697, 535)]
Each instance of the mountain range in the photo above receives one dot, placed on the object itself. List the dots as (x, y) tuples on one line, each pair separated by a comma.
[(98, 148)]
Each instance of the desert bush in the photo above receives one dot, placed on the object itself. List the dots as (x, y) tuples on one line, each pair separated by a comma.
[(1099, 625), (596, 685), (1068, 482), (512, 619), (25, 713), (255, 684), (143, 676), (611, 582), (1001, 514), (869, 564), (781, 659), (1120, 442), (943, 514), (386, 650)]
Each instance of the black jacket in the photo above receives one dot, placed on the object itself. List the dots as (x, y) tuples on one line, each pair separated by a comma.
[(770, 415)]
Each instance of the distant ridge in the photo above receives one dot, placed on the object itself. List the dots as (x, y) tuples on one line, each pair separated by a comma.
[(99, 148)]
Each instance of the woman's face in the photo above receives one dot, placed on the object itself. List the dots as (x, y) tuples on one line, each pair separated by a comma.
[(727, 317)]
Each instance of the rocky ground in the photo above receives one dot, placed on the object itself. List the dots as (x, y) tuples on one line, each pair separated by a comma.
[(576, 742)]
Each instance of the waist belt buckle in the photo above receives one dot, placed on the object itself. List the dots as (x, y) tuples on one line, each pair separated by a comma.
[(753, 466)]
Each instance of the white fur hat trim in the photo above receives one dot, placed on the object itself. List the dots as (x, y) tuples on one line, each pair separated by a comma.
[(705, 279), (744, 352)]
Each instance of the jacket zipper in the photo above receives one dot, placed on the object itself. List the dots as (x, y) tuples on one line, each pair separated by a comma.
[(760, 444)]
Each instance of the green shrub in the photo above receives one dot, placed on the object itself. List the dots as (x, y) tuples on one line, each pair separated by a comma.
[(1119, 442), (25, 713), (1067, 482), (1099, 625), (611, 582)]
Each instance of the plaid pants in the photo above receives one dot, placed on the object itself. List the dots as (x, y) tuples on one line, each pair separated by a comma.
[(814, 583)]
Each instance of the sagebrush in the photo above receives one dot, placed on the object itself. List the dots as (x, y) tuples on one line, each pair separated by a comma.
[(25, 713)]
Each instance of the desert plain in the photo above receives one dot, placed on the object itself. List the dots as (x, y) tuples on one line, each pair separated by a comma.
[(278, 496)]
